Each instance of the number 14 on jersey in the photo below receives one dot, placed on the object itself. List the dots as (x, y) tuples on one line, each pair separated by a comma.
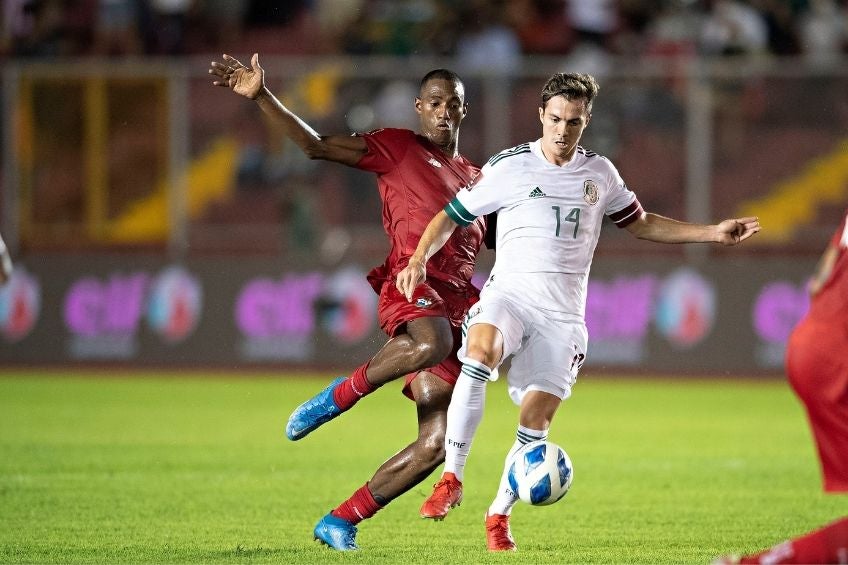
[(573, 217)]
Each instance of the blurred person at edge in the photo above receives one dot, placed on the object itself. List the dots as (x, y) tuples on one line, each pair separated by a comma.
[(817, 360), (817, 368), (417, 174)]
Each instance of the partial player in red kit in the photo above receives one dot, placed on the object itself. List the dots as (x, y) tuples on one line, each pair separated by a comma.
[(828, 544), (417, 174), (817, 361), (817, 368)]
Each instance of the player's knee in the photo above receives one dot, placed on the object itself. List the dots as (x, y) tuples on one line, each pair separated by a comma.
[(482, 353), (431, 450), (431, 339), (432, 352)]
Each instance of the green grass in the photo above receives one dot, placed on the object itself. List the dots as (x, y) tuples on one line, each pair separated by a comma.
[(160, 468)]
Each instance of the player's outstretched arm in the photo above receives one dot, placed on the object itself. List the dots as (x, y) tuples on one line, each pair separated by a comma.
[(250, 83), (434, 237), (653, 227)]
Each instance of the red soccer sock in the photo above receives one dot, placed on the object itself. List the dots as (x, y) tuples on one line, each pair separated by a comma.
[(351, 390), (360, 506), (826, 545)]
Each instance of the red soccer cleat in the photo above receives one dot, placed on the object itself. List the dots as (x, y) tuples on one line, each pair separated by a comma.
[(498, 536), (447, 493)]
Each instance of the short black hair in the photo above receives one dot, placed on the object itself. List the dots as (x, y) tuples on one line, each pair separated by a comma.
[(443, 74), (572, 86)]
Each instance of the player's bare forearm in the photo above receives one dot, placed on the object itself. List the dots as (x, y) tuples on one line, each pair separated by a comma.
[(249, 81), (653, 227), (344, 149), (659, 229), (292, 125), (435, 235)]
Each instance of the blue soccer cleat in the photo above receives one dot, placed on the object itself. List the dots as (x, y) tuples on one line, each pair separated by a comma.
[(313, 413), (336, 533)]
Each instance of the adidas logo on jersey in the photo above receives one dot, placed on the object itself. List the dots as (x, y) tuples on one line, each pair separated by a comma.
[(435, 163), (536, 193)]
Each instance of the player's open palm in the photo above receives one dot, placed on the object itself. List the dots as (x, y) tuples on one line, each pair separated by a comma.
[(247, 81)]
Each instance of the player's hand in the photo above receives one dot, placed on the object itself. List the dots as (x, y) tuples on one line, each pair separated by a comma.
[(737, 230), (247, 81), (411, 276)]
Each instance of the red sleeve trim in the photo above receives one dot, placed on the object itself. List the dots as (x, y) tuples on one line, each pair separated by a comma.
[(627, 215)]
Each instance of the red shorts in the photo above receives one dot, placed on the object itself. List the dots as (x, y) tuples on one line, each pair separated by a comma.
[(430, 299)]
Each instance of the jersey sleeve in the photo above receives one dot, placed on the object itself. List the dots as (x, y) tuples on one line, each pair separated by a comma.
[(488, 193), (623, 208), (386, 148)]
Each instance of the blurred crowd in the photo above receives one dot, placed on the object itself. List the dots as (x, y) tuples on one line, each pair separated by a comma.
[(480, 33), (642, 122)]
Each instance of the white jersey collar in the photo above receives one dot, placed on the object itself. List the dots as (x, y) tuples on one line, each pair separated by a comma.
[(536, 148)]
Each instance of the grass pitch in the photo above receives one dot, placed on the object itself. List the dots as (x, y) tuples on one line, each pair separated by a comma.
[(160, 468)]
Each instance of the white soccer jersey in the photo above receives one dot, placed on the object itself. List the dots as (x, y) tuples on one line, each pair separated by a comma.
[(549, 220)]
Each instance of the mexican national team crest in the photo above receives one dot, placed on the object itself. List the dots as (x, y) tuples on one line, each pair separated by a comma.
[(590, 192)]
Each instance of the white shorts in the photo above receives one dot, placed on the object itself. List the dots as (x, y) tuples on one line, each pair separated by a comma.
[(546, 353)]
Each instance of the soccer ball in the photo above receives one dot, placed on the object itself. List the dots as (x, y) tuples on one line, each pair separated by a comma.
[(540, 473)]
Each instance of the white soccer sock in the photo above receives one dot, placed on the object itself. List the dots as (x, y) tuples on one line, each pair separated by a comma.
[(464, 414), (506, 498)]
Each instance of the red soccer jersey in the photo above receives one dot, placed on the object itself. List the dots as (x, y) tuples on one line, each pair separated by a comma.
[(416, 180), (831, 303)]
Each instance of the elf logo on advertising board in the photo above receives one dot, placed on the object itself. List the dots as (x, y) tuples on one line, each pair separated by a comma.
[(779, 306), (618, 316), (103, 315), (620, 312), (275, 317), (278, 319)]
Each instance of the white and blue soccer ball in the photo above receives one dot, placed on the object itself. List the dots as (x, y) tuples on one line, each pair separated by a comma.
[(540, 473)]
